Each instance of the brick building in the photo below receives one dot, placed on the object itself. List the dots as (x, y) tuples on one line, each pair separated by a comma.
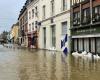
[(85, 25)]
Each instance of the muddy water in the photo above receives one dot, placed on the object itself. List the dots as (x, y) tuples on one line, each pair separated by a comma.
[(23, 64)]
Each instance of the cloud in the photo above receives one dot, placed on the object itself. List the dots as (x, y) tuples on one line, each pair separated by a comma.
[(9, 12)]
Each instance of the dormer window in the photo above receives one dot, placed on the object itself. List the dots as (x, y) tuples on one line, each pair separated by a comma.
[(64, 4)]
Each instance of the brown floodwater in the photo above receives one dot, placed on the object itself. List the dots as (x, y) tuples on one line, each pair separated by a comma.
[(24, 64)]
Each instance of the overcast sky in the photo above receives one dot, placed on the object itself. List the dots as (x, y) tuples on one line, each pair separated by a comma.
[(9, 11)]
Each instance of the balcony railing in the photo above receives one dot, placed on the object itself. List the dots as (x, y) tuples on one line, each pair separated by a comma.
[(96, 17), (76, 22), (86, 20)]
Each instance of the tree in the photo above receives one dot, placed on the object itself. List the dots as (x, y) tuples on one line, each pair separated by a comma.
[(4, 36)]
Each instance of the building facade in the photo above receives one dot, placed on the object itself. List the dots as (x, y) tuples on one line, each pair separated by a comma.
[(14, 33), (48, 24), (23, 26), (33, 20), (85, 27), (55, 24)]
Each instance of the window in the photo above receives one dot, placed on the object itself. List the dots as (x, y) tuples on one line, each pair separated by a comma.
[(82, 0), (44, 37), (29, 15), (36, 11), (52, 7), (26, 29), (25, 17), (64, 4), (98, 45), (75, 1), (86, 44), (80, 44), (96, 14), (33, 26), (44, 12), (29, 27), (92, 41), (86, 17), (36, 24), (20, 22), (64, 28), (32, 13), (75, 45), (76, 18), (53, 36)]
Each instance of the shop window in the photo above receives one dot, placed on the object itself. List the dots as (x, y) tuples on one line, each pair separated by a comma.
[(86, 17), (80, 44), (76, 19), (86, 44), (96, 14), (92, 45), (75, 45), (98, 45)]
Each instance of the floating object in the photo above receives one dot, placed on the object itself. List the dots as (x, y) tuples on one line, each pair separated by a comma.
[(89, 55), (75, 53), (96, 57), (52, 49), (84, 53)]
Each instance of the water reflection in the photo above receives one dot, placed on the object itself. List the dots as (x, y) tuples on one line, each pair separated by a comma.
[(44, 65), (85, 69), (24, 64)]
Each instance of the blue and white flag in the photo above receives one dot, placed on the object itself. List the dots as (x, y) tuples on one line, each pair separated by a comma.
[(64, 44)]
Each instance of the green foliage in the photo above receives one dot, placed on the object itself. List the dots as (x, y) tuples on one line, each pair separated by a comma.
[(4, 36)]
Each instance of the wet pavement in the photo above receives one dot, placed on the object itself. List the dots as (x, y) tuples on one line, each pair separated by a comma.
[(24, 64)]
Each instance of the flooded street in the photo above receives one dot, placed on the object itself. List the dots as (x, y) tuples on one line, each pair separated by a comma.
[(23, 64)]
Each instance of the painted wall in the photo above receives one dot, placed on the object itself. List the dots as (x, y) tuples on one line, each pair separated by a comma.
[(14, 32), (59, 17)]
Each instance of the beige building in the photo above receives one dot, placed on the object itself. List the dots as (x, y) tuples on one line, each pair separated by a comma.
[(14, 33), (55, 24)]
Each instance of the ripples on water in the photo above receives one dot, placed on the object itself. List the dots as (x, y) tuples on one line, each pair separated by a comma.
[(17, 64)]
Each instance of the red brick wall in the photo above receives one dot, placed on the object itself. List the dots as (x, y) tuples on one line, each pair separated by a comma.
[(96, 3)]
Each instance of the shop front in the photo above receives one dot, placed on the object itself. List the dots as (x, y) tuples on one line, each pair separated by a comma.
[(33, 40), (86, 39)]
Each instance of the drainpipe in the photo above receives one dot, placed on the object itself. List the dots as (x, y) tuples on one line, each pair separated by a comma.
[(91, 10), (70, 38), (80, 13), (91, 22), (91, 14)]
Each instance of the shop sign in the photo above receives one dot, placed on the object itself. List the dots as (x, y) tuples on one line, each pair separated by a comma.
[(86, 30)]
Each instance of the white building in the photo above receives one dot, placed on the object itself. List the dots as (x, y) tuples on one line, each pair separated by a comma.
[(33, 18), (55, 23), (54, 16)]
